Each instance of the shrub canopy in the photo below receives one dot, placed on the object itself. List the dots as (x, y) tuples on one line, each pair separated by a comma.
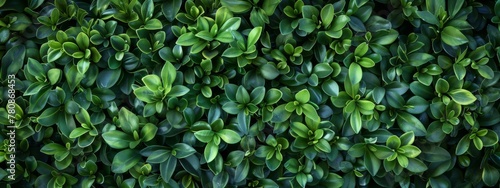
[(250, 93)]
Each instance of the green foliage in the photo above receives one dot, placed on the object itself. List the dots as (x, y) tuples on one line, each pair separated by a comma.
[(250, 93)]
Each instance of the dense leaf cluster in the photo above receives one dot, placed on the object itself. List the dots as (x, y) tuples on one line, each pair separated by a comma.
[(250, 93)]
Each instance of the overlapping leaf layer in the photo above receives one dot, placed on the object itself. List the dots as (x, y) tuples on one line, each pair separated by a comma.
[(250, 93)]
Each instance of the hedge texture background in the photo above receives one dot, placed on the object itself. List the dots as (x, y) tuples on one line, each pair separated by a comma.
[(250, 93)]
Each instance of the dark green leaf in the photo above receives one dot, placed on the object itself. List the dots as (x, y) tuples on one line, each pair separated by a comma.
[(327, 13), (434, 154), (273, 96), (242, 171), (211, 151), (385, 37), (117, 139), (490, 175), (462, 96), (452, 36), (170, 9), (124, 160), (167, 168), (153, 24), (322, 70), (232, 52), (242, 95), (78, 132), (168, 74), (237, 6), (108, 78), (428, 17), (307, 25), (408, 122), (454, 7), (38, 101), (225, 37), (53, 148), (204, 135), (416, 166), (486, 71), (187, 39), (418, 59), (355, 73), (442, 86), (371, 163), (74, 77), (147, 9), (220, 180), (393, 142), (49, 116), (355, 121), (490, 139), (280, 114), (159, 156), (303, 96), (129, 122), (254, 36), (35, 88), (229, 136), (418, 105), (269, 6), (178, 91), (183, 150), (231, 24), (331, 88), (148, 132), (462, 146), (269, 71)]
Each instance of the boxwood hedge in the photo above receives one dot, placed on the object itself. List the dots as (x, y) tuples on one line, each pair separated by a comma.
[(249, 93)]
